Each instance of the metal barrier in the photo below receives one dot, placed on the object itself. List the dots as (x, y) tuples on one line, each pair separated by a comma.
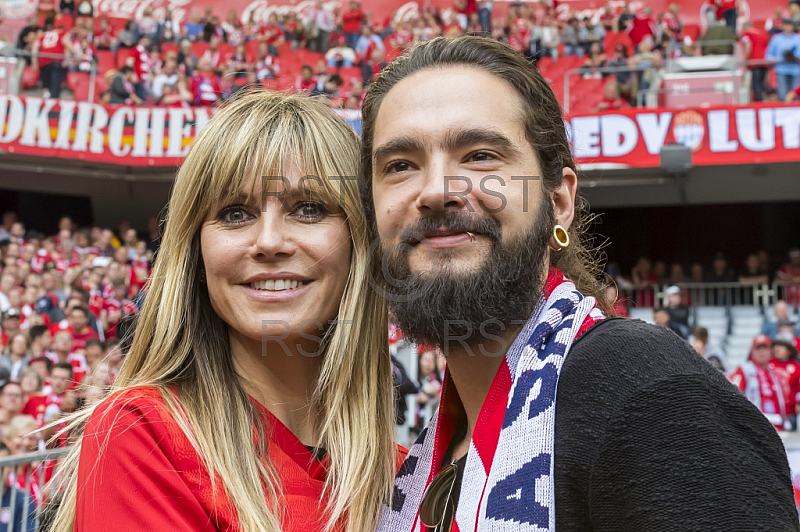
[(602, 71), (715, 294), (19, 54), (37, 465), (649, 97)]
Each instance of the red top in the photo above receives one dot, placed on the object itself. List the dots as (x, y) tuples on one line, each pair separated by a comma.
[(139, 471), (789, 375), (758, 39), (271, 33), (51, 42), (640, 28), (352, 20)]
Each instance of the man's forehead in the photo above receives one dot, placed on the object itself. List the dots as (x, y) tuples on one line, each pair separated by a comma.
[(442, 102)]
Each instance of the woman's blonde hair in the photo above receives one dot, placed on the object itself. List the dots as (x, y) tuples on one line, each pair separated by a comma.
[(180, 343)]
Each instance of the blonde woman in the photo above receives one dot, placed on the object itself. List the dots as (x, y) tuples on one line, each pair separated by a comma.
[(243, 404)]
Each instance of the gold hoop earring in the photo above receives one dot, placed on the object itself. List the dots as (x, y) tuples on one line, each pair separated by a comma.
[(561, 237)]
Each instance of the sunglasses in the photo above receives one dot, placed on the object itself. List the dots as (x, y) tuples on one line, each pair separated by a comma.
[(437, 511)]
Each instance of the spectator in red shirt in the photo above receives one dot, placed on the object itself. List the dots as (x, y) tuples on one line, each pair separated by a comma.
[(105, 36), (53, 46), (93, 352), (789, 273), (79, 325), (672, 24), (43, 366), (206, 86), (272, 34), (142, 64), (726, 10), (761, 384), (11, 324), (306, 81), (352, 19), (755, 41), (372, 68), (784, 362), (62, 348), (47, 407), (266, 66), (619, 304), (642, 26), (41, 340)]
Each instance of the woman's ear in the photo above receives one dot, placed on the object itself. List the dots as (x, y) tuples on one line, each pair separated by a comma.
[(564, 198)]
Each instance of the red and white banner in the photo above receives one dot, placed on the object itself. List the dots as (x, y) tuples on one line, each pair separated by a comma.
[(758, 133), (160, 136), (140, 136)]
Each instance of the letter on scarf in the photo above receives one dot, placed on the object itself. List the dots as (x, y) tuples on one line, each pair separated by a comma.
[(548, 375), (514, 497)]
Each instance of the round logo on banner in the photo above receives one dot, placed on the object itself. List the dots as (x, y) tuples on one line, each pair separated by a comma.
[(689, 129), (15, 9)]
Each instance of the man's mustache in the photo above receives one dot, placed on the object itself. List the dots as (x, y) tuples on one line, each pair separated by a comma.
[(451, 222)]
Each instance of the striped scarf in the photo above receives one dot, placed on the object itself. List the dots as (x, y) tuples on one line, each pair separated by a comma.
[(508, 479)]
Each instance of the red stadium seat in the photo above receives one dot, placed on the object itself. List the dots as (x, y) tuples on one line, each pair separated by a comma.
[(105, 61), (544, 65), (349, 73), (100, 86), (80, 84), (123, 54), (30, 78), (64, 21), (392, 53), (613, 39), (691, 30), (284, 49), (73, 78), (585, 94), (199, 48), (251, 49), (169, 47), (225, 50), (117, 23), (286, 82), (271, 84)]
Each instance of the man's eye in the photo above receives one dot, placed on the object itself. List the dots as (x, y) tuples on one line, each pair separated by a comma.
[(309, 210), (399, 166), (482, 156)]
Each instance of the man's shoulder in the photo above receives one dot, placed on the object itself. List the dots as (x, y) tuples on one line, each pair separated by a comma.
[(632, 353)]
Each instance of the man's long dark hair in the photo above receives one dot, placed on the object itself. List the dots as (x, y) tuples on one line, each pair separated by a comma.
[(542, 120)]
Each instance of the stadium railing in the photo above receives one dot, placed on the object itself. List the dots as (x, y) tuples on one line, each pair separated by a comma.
[(762, 295), (15, 82), (39, 464)]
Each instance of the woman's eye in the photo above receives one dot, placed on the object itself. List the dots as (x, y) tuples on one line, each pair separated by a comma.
[(234, 215), (310, 210)]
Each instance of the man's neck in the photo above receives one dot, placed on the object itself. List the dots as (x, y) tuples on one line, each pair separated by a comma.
[(473, 371)]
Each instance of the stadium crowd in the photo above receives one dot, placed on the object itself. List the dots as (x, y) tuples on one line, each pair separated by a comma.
[(206, 58), (66, 300)]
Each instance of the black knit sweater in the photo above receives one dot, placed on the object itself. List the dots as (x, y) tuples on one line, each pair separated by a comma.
[(650, 437)]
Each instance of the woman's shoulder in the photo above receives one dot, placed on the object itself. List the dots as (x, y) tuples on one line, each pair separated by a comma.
[(139, 409)]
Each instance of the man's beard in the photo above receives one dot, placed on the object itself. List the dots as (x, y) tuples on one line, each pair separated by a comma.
[(444, 307)]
